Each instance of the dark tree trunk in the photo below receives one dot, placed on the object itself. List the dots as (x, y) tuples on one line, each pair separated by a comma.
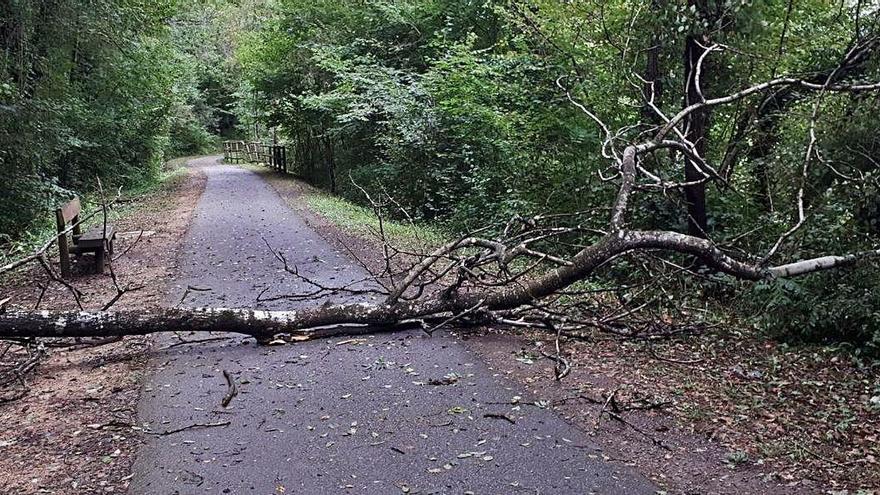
[(765, 139), (653, 73), (331, 163), (696, 131)]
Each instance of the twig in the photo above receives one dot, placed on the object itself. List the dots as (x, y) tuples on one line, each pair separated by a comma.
[(120, 291), (199, 341), (130, 247), (614, 414), (194, 289), (430, 331), (53, 277), (232, 392), (500, 416), (189, 427), (562, 367), (829, 460)]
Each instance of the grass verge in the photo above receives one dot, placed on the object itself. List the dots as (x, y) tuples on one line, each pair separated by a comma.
[(351, 218), (357, 220)]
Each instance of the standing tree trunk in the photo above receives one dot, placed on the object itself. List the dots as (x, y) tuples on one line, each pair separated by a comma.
[(653, 86), (331, 163), (696, 130), (762, 146)]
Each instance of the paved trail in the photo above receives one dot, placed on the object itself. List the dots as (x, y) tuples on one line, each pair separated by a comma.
[(327, 416)]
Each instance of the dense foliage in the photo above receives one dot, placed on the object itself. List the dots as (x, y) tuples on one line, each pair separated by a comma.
[(458, 109), (468, 112), (100, 89)]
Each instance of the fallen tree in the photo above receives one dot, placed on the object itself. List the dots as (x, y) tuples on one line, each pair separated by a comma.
[(336, 319), (355, 318), (484, 278)]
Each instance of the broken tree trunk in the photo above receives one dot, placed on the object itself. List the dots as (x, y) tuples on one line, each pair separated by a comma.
[(339, 319), (259, 324), (477, 289)]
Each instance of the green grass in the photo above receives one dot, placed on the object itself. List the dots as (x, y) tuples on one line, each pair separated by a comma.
[(358, 220), (176, 164), (173, 171), (166, 179), (362, 221)]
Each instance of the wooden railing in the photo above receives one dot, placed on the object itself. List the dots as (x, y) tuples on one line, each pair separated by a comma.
[(271, 155)]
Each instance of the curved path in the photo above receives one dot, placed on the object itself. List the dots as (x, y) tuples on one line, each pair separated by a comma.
[(340, 415)]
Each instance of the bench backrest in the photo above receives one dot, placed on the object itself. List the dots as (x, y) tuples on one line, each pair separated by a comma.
[(67, 213)]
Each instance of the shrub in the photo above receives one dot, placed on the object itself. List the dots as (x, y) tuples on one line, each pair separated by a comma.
[(828, 307)]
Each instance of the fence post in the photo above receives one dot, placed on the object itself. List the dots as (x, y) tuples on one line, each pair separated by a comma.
[(276, 157)]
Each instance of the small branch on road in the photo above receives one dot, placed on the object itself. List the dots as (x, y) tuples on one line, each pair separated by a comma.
[(562, 367), (231, 392), (190, 288), (500, 416), (189, 427), (197, 341)]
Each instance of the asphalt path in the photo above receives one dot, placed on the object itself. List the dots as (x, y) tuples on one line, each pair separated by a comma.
[(384, 414)]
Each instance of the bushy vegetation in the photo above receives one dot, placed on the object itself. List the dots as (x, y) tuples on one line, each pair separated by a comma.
[(99, 89), (457, 109), (824, 308), (470, 112)]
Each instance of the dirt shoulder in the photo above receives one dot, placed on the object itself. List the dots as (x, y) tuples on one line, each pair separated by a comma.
[(75, 430), (723, 412)]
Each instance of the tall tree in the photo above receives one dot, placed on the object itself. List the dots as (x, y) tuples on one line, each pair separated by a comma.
[(697, 123)]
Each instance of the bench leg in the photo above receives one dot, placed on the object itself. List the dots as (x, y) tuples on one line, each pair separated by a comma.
[(64, 258), (99, 260)]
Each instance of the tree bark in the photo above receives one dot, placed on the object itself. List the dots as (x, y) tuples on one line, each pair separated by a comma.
[(345, 319), (331, 163), (260, 324), (696, 131), (653, 87)]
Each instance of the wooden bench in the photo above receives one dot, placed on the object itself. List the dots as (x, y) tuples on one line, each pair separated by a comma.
[(95, 240)]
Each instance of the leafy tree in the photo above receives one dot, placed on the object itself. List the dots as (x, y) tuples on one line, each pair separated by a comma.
[(98, 89), (469, 112)]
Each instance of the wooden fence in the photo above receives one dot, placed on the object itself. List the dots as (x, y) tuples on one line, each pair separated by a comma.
[(271, 155)]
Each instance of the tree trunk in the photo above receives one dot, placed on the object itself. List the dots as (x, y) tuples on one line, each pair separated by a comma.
[(653, 87), (696, 131), (453, 302), (331, 163), (260, 324), (355, 318)]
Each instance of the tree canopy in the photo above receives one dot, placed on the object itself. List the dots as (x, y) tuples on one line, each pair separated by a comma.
[(104, 89), (471, 112)]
